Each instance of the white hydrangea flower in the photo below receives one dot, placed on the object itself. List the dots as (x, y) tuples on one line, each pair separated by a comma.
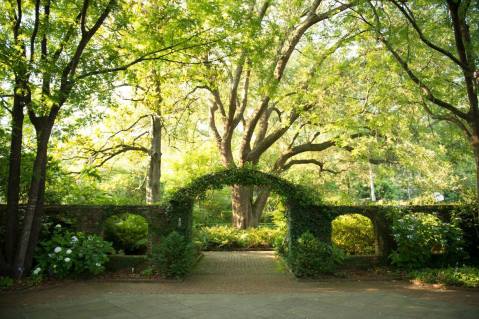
[(69, 251), (58, 226), (37, 271), (67, 259), (98, 264), (74, 239), (57, 249)]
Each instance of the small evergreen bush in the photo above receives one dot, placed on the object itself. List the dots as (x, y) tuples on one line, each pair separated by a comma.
[(311, 257), (174, 256)]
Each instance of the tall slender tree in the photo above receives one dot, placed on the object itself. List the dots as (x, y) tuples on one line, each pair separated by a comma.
[(57, 54)]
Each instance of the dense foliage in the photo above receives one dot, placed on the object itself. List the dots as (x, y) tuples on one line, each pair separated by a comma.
[(180, 205), (310, 257), (133, 102), (71, 254), (423, 240), (127, 232), (174, 256), (229, 238), (354, 234)]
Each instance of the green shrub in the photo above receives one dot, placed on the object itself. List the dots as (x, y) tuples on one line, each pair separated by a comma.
[(227, 237), (423, 240), (281, 244), (354, 234), (464, 218), (6, 282), (71, 254), (127, 232), (462, 276), (174, 256), (311, 257)]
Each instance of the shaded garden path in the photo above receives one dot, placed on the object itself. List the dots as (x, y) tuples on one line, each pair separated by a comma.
[(240, 285)]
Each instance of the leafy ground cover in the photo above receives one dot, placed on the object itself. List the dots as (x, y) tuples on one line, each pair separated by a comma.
[(465, 276)]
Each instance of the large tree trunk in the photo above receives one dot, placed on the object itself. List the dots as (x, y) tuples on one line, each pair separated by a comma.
[(241, 200), (259, 204), (14, 171), (246, 212), (33, 211), (153, 185)]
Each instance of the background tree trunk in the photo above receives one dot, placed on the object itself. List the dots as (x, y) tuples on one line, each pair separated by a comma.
[(259, 204), (371, 183), (242, 206), (475, 146), (153, 185)]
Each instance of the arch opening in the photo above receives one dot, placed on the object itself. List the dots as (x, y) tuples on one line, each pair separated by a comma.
[(128, 233), (354, 234), (301, 205)]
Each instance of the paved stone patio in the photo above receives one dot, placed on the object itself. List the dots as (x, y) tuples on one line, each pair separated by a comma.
[(240, 285)]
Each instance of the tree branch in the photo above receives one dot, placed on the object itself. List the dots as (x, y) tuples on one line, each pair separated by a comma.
[(286, 49), (407, 14), (36, 23), (425, 89)]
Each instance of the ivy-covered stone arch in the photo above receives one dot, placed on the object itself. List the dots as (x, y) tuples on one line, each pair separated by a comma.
[(302, 211)]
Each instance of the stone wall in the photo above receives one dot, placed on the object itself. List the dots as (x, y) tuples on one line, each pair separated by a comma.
[(381, 219), (91, 218)]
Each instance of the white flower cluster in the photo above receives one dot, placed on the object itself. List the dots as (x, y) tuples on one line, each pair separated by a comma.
[(58, 249)]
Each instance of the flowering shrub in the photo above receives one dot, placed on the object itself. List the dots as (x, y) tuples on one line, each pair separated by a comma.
[(67, 253), (423, 239)]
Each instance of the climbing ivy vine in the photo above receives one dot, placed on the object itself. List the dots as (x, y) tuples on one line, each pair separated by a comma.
[(299, 199)]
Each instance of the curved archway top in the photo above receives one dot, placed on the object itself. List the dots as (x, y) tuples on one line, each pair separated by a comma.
[(293, 193)]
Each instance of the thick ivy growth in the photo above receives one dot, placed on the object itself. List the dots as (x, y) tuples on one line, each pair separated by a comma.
[(298, 199)]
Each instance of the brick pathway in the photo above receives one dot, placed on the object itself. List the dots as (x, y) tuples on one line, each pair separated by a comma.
[(240, 285)]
